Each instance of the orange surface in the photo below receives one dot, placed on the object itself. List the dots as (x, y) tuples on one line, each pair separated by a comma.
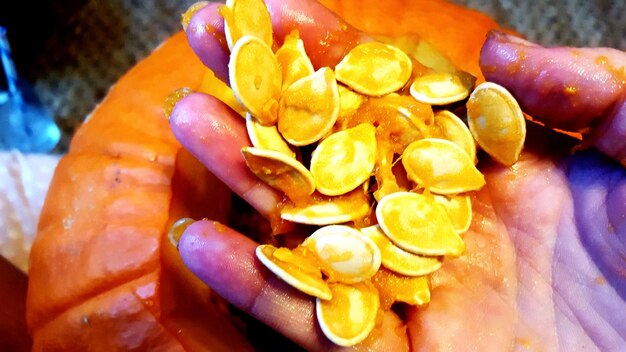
[(102, 273), (458, 32), (13, 334)]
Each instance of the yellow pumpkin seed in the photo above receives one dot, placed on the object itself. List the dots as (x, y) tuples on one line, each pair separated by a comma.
[(292, 59), (452, 128), (418, 224), (266, 137), (325, 210), (296, 269), (281, 172), (246, 17), (255, 78), (441, 167), (344, 160), (496, 122), (346, 255), (398, 260), (216, 87), (350, 316), (374, 69), (439, 88), (309, 108), (393, 287), (459, 208)]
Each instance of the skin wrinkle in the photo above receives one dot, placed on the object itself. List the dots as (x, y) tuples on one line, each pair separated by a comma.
[(617, 198), (573, 317), (560, 303), (590, 207), (276, 290), (610, 135), (591, 179), (540, 177), (264, 200)]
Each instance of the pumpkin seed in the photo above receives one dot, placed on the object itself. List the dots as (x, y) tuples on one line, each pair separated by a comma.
[(439, 88), (452, 128), (325, 210), (496, 122), (349, 103), (350, 315), (459, 208), (399, 260), (418, 224), (292, 59), (374, 69), (346, 255), (216, 87), (393, 287), (296, 269), (280, 171), (441, 167), (309, 108), (255, 78), (344, 160), (266, 137), (246, 17)]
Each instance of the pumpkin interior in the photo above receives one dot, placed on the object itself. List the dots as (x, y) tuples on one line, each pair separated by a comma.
[(102, 271)]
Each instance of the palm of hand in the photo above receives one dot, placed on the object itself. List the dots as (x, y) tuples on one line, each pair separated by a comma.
[(544, 268)]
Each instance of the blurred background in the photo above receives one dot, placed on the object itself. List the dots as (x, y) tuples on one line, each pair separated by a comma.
[(71, 51)]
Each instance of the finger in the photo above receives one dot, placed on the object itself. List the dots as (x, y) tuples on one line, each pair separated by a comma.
[(327, 38), (215, 134), (568, 88), (225, 260), (205, 34)]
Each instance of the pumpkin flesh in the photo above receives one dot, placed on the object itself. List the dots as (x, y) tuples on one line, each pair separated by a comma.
[(100, 275)]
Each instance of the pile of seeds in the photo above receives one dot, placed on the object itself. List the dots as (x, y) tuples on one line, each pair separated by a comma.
[(384, 226)]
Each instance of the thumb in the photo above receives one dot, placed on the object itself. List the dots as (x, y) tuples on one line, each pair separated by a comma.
[(327, 38), (574, 89)]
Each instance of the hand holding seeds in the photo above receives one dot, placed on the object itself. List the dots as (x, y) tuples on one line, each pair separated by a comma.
[(391, 186)]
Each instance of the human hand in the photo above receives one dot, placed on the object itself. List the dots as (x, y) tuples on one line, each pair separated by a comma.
[(544, 265)]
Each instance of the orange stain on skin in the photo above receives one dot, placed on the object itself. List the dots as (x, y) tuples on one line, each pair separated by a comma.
[(602, 60), (219, 227), (570, 90)]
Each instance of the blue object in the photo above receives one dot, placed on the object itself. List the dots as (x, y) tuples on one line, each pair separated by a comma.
[(24, 124)]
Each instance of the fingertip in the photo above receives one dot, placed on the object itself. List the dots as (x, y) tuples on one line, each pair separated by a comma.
[(205, 34)]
